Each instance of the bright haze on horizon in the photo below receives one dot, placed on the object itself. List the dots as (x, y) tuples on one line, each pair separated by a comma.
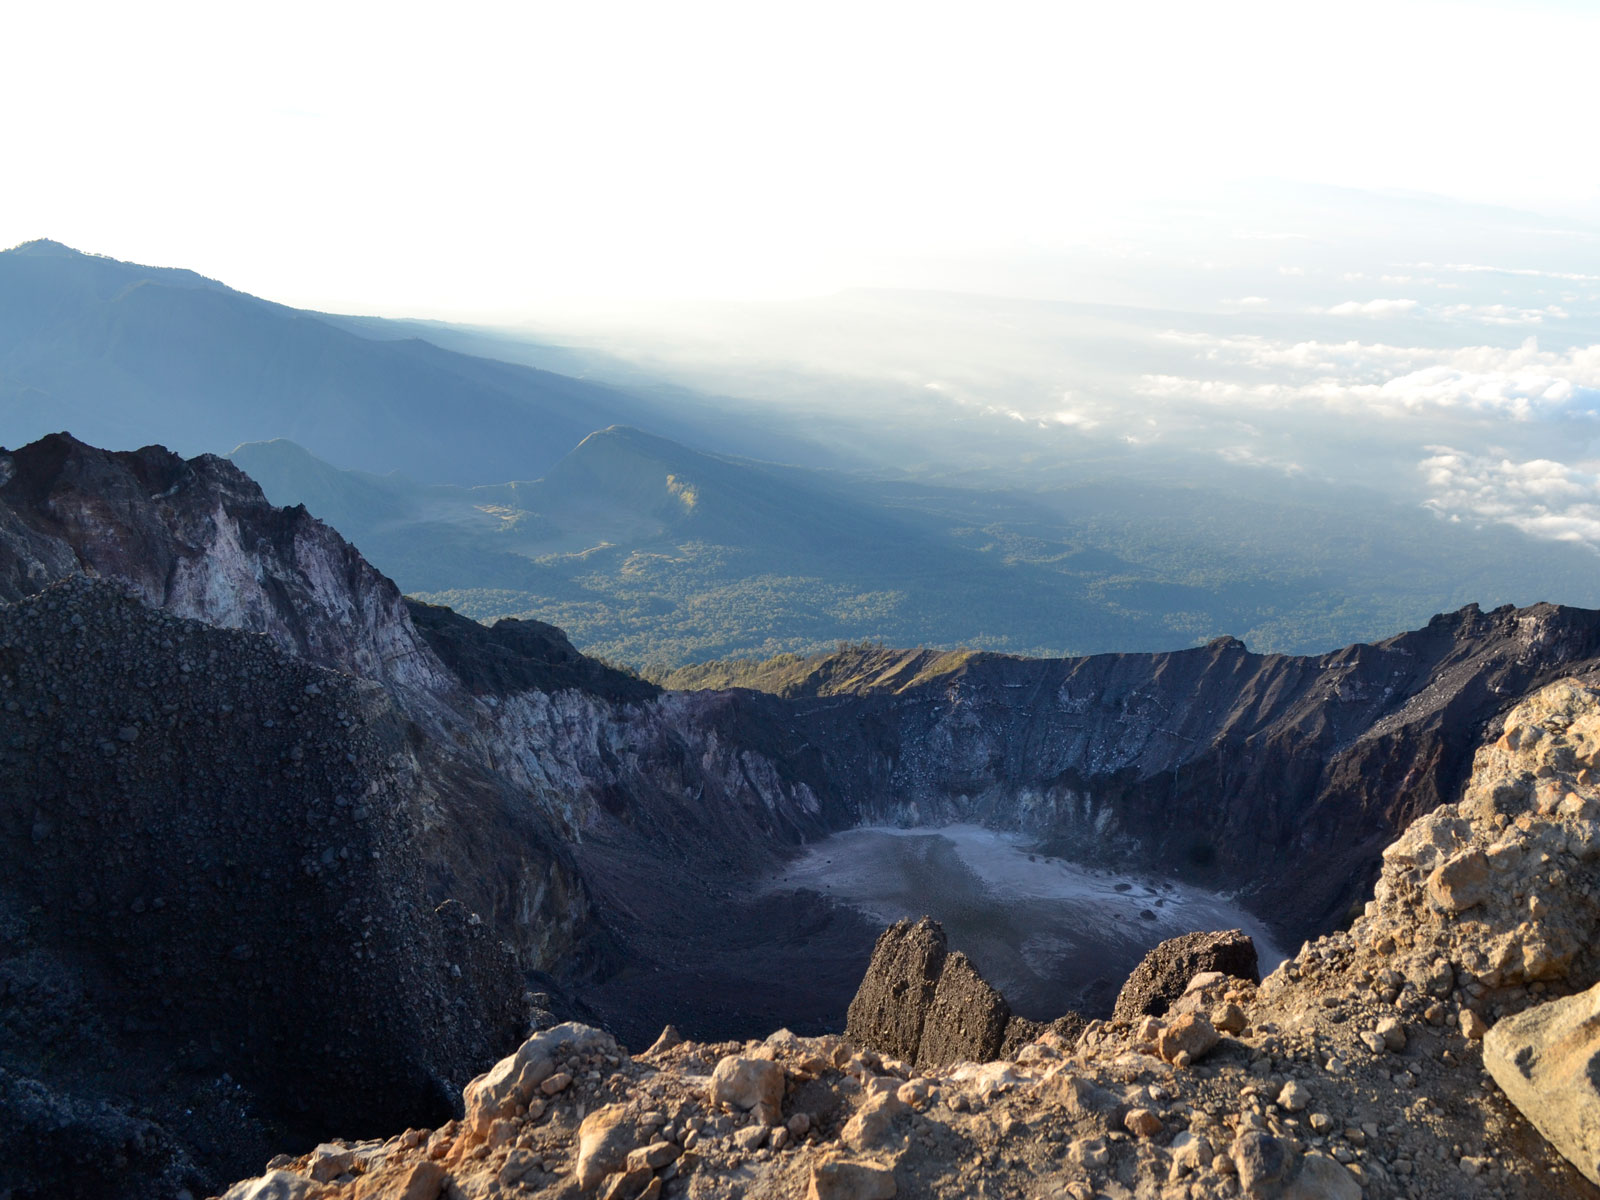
[(1263, 245), (475, 161)]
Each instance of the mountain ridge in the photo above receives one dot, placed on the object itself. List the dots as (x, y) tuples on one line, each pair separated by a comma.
[(618, 839)]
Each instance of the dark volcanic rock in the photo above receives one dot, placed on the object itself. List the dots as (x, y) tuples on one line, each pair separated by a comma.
[(216, 929), (1165, 972), (892, 1003), (517, 656), (966, 1021), (930, 1007), (1020, 1031)]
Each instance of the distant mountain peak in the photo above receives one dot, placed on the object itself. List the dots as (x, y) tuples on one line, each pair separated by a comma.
[(45, 248)]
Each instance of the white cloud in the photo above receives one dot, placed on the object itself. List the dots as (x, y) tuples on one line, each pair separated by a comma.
[(1524, 383), (1503, 314), (1371, 308), (1542, 498), (1476, 268), (1244, 456)]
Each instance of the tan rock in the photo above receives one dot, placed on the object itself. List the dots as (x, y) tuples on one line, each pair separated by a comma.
[(1460, 882), (750, 1137), (556, 1084), (1547, 1061), (274, 1185), (1228, 1018), (1472, 1025), (669, 1038), (1294, 1097), (604, 1141), (870, 1125), (1189, 1034), (742, 1083), (512, 1080), (1141, 1122), (420, 1181), (655, 1156), (625, 1185), (846, 1179)]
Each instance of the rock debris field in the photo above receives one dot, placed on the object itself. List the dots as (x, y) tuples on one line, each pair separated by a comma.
[(1382, 1061)]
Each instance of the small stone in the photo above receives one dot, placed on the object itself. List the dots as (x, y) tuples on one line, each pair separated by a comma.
[(1229, 1018), (1260, 1159), (1321, 1178), (750, 1137), (844, 1179), (669, 1038), (1294, 1097), (655, 1156), (556, 1084), (1141, 1122), (800, 1124), (1393, 1034), (871, 1124), (625, 1185), (1189, 1034), (1320, 1122), (1472, 1025)]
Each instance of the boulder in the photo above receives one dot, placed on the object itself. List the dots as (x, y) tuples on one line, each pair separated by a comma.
[(745, 1083), (1547, 1061), (1190, 1034), (966, 1022), (605, 1139), (889, 1006), (1165, 973), (844, 1179)]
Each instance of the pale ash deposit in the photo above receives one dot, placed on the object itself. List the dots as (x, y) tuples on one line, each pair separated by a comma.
[(1042, 929)]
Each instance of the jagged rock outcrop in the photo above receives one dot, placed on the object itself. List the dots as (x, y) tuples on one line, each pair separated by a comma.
[(1164, 974), (924, 1003), (1354, 1070)]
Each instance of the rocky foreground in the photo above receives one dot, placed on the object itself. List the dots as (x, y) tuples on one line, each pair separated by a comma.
[(1377, 1062)]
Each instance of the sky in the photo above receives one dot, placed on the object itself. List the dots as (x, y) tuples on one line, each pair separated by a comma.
[(479, 160)]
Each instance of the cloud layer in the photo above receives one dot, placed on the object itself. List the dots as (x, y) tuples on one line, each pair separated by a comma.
[(1541, 497)]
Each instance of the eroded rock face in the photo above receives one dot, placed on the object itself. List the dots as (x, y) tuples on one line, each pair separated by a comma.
[(1164, 974), (892, 1002), (966, 1022), (211, 864)]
